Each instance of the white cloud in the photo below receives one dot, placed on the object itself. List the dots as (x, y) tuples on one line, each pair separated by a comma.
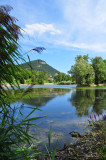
[(94, 47), (40, 29), (88, 15), (85, 26)]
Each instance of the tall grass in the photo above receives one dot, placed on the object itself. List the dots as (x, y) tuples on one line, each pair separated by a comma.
[(14, 132), (51, 154)]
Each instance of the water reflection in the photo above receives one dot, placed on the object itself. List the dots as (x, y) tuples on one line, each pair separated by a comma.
[(40, 96), (67, 110), (84, 99), (100, 101)]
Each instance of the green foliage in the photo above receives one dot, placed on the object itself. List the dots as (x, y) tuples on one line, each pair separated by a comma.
[(62, 77), (14, 132), (51, 153), (40, 81), (104, 61), (9, 54), (82, 72), (22, 81), (100, 70), (14, 126), (85, 73), (85, 57), (27, 153), (35, 77), (103, 152), (64, 83)]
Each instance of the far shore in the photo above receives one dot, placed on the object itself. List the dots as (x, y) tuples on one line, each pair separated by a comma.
[(79, 86), (92, 85), (8, 85)]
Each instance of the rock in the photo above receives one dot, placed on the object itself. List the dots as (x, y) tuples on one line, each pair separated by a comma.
[(75, 134)]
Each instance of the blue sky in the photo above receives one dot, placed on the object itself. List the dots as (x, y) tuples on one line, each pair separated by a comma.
[(66, 28)]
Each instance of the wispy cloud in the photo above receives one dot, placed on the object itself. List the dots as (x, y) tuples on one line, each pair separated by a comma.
[(85, 15), (94, 47), (85, 26), (40, 29)]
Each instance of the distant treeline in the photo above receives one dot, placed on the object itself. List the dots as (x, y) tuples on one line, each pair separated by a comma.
[(62, 78), (32, 76), (29, 76)]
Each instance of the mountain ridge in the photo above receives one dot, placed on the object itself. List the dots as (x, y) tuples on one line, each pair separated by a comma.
[(40, 65)]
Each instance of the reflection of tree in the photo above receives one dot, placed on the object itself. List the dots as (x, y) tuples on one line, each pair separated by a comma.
[(84, 99), (37, 101), (38, 96), (100, 101)]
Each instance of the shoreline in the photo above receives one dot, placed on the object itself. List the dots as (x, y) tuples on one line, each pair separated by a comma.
[(77, 86), (92, 85), (8, 85)]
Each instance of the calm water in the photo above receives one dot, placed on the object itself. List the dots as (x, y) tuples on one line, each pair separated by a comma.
[(66, 108)]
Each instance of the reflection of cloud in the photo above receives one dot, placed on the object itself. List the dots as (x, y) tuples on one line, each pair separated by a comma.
[(65, 113), (42, 135), (61, 129), (51, 121), (77, 122), (40, 29)]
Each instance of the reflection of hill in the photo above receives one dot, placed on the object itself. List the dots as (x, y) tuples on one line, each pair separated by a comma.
[(84, 99), (37, 101), (40, 96), (37, 96)]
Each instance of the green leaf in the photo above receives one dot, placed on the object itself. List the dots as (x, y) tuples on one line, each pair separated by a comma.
[(32, 119)]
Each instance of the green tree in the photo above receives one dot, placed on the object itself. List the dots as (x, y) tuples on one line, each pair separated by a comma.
[(104, 61), (59, 77), (82, 72), (100, 70), (85, 57)]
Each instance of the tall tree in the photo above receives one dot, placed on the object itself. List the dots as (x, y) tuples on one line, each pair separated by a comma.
[(82, 72), (100, 70), (104, 61), (61, 77)]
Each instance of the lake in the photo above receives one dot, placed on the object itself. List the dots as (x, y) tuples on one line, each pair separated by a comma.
[(65, 107)]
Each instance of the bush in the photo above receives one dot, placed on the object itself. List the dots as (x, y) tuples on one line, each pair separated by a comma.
[(22, 81), (40, 81)]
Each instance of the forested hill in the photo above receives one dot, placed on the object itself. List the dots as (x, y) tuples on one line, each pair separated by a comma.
[(39, 65)]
